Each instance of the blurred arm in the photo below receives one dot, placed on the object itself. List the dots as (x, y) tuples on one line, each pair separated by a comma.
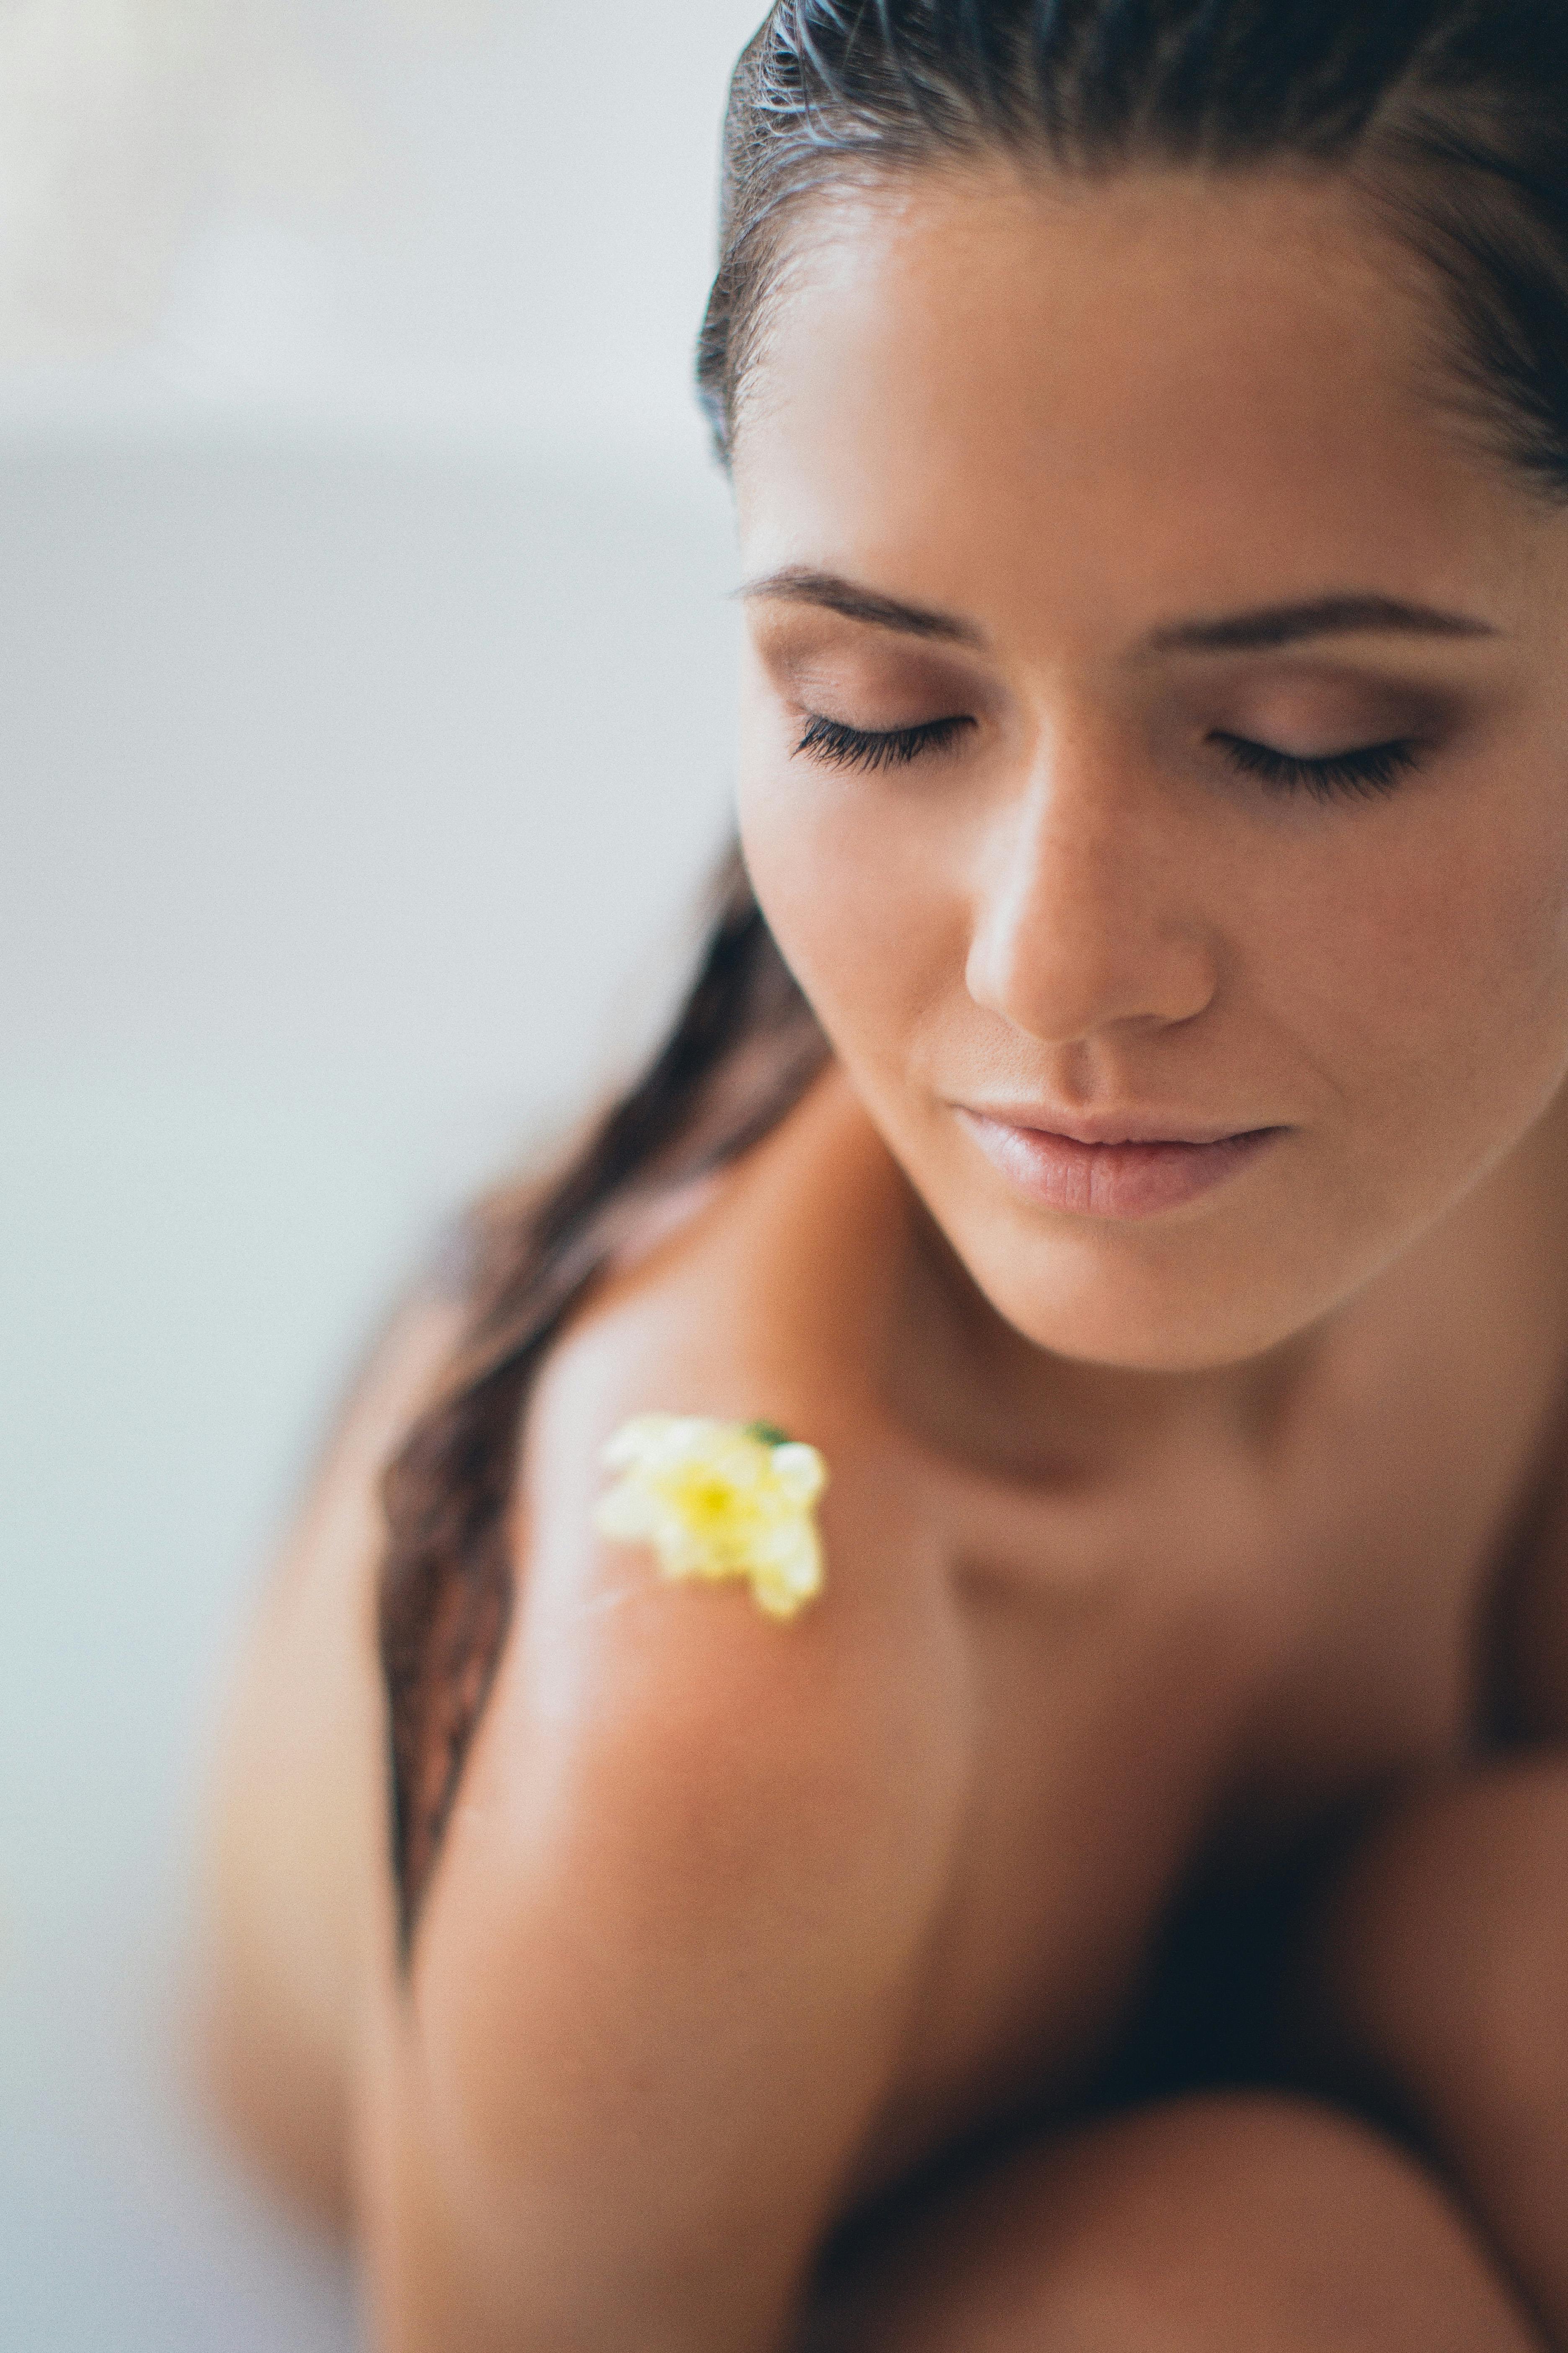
[(660, 1991), (1439, 1976), (297, 1820)]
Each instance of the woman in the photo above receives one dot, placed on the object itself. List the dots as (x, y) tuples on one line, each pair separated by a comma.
[(1125, 1132)]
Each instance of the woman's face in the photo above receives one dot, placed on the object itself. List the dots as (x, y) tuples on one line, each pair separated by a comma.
[(1155, 743)]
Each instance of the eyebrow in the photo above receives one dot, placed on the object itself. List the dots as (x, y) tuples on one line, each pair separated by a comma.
[(1263, 630), (1323, 616), (797, 585)]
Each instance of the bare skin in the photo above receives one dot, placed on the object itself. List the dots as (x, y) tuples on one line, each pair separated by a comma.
[(1168, 1544)]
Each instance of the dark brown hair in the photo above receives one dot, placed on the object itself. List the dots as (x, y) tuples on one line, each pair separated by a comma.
[(743, 1049), (1454, 116)]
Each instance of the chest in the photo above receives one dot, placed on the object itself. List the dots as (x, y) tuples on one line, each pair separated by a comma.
[(1199, 1668)]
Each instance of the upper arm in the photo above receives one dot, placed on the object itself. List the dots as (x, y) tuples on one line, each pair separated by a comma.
[(669, 1950)]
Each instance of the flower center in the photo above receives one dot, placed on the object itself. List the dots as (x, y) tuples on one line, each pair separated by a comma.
[(708, 1500)]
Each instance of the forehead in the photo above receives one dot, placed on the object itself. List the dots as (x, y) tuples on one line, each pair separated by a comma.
[(1164, 391)]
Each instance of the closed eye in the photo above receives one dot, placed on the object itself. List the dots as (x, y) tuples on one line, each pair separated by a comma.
[(1365, 773), (841, 747)]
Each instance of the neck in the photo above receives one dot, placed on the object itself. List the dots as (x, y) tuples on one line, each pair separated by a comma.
[(965, 1377), (959, 1371)]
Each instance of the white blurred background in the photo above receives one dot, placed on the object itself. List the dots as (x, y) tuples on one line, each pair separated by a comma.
[(364, 720)]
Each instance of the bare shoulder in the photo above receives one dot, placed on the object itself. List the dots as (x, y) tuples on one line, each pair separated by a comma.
[(772, 1302), (697, 1854), (764, 1305)]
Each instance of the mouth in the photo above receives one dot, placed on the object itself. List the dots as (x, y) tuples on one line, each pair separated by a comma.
[(1109, 1168)]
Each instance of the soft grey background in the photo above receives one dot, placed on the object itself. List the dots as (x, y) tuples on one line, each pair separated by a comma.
[(364, 717)]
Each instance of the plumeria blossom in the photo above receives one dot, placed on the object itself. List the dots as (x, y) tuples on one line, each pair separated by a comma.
[(717, 1499)]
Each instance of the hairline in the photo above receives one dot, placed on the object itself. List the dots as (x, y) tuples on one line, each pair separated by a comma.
[(1385, 172)]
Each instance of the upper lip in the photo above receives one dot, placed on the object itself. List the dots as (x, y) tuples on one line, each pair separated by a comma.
[(1113, 1127)]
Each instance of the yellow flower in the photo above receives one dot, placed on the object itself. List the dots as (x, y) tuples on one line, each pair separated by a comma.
[(720, 1499)]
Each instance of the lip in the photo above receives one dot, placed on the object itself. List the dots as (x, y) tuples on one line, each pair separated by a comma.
[(1101, 1166)]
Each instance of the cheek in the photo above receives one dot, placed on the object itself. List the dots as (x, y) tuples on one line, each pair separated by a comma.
[(1433, 969), (868, 908)]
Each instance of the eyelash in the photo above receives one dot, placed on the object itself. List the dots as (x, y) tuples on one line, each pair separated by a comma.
[(839, 746), (1366, 774)]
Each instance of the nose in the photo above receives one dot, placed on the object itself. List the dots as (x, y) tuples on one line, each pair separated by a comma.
[(1084, 920)]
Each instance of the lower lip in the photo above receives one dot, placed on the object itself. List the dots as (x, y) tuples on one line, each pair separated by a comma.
[(1112, 1180)]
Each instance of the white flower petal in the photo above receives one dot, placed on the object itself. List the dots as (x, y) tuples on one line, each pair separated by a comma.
[(627, 1512), (637, 1440), (800, 1472), (777, 1600), (714, 1501)]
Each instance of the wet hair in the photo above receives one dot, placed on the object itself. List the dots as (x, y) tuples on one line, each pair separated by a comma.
[(743, 1050), (1452, 118)]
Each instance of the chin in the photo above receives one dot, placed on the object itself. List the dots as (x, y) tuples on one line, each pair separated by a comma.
[(1157, 1314)]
